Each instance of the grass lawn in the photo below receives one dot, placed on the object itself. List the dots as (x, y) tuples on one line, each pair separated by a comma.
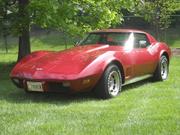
[(142, 108)]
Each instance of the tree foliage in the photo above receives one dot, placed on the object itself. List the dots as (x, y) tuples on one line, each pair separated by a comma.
[(75, 16), (157, 12), (8, 15), (78, 16)]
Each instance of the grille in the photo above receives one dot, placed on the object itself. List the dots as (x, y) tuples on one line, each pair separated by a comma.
[(58, 87)]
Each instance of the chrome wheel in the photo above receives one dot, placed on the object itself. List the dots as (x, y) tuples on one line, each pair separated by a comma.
[(164, 68), (114, 83), (110, 83)]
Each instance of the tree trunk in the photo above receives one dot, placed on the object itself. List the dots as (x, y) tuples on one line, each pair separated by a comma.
[(24, 38), (24, 45)]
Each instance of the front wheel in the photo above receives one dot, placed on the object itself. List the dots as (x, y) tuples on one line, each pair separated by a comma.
[(162, 70), (110, 83)]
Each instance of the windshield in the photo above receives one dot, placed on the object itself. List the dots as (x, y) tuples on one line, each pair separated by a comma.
[(106, 38)]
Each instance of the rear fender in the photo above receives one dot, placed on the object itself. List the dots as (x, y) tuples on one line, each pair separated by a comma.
[(165, 51)]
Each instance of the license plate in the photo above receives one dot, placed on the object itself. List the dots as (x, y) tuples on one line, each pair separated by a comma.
[(35, 86)]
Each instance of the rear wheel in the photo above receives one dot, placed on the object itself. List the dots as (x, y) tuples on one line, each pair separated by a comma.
[(110, 83), (162, 69)]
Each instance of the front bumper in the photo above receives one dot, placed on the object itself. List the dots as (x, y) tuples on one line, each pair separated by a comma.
[(48, 85)]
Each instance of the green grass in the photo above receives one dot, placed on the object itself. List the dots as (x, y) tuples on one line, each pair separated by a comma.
[(142, 108)]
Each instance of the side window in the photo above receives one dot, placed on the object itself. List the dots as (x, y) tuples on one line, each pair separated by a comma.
[(140, 40)]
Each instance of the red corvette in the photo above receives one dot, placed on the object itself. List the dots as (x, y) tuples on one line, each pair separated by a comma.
[(104, 61)]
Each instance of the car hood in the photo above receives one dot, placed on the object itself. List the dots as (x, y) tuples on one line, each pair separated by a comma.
[(67, 62)]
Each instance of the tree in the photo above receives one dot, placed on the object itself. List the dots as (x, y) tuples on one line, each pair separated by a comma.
[(71, 16), (157, 12), (24, 26)]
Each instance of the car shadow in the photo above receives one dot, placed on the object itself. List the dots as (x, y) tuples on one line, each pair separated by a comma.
[(19, 96), (137, 84)]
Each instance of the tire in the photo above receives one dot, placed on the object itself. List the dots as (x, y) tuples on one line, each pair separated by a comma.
[(162, 69), (110, 83)]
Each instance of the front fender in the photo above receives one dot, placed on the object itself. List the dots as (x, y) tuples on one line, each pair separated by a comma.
[(97, 66), (32, 56)]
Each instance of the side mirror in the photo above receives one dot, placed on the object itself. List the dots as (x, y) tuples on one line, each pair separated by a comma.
[(142, 43)]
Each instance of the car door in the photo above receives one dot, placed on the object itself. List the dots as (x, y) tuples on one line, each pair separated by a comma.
[(145, 62)]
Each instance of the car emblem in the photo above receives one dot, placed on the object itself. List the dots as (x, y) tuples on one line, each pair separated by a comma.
[(39, 69)]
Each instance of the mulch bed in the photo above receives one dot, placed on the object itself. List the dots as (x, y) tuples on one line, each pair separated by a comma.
[(175, 51)]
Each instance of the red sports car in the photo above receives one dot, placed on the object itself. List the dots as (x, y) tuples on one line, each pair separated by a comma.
[(103, 61)]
